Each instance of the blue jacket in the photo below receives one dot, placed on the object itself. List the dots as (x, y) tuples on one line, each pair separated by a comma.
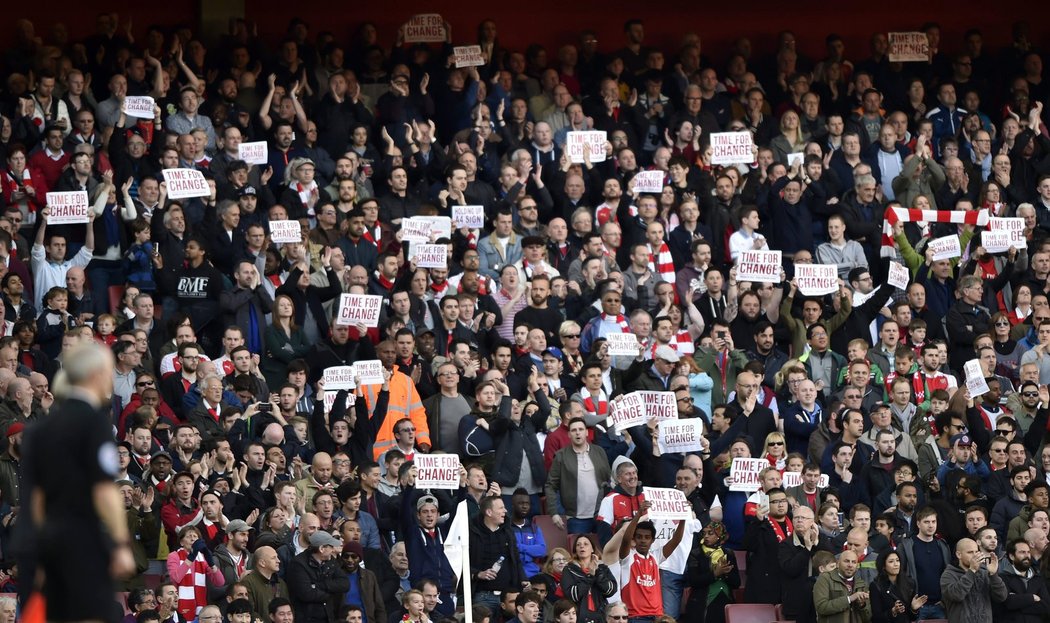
[(798, 427), (426, 554), (531, 545)]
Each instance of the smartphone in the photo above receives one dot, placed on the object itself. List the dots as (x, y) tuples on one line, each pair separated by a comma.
[(842, 519), (720, 334), (265, 407)]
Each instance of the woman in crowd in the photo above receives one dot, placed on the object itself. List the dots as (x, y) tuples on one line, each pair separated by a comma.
[(588, 582)]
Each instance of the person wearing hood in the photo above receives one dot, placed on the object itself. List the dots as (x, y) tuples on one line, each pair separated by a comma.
[(969, 587)]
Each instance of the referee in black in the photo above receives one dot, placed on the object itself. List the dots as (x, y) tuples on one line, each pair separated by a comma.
[(77, 537)]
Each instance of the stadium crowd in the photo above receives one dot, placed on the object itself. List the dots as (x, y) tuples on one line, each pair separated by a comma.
[(915, 494)]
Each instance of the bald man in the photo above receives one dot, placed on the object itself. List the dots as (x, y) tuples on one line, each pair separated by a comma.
[(19, 404), (81, 303), (1037, 541), (753, 418), (263, 583), (842, 591), (320, 477), (857, 541), (794, 558), (968, 587)]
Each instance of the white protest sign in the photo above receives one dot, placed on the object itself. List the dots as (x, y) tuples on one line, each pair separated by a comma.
[(1015, 227), (794, 479), (796, 158), (743, 474), (339, 377), (628, 412), (944, 248), (680, 435), (816, 279), (468, 56), (67, 207), (185, 183), (369, 371), (649, 182), (329, 400), (415, 229), (576, 142), (909, 46), (253, 153), (975, 378), (659, 405), (667, 504), (359, 309), (898, 276), (471, 217), (430, 255), (622, 344), (732, 148), (440, 226), (995, 241), (437, 471), (140, 106), (425, 28), (282, 232), (760, 266)]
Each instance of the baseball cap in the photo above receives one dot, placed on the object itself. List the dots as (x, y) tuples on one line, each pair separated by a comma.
[(666, 353), (961, 438), (246, 191), (322, 538), (163, 453), (237, 525), (15, 428), (426, 499), (553, 351)]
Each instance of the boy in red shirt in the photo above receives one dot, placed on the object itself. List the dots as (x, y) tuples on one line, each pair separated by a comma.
[(640, 568)]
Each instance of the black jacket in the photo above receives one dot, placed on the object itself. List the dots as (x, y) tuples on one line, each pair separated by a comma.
[(1020, 605), (315, 589), (486, 547), (512, 439), (764, 576)]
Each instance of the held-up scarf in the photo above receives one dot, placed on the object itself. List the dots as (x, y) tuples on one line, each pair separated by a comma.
[(903, 215), (193, 589), (304, 195), (661, 263)]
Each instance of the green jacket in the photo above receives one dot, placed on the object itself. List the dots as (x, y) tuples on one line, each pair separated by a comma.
[(831, 599), (798, 329), (706, 359), (914, 261), (261, 591)]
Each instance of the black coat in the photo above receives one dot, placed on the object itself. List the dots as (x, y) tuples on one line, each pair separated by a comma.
[(514, 438), (796, 582), (1020, 605), (315, 589), (700, 578), (884, 595), (764, 576)]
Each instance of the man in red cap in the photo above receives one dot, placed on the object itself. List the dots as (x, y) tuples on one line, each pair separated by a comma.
[(9, 465)]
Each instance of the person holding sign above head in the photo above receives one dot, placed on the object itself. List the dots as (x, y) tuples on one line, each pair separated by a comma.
[(49, 269), (966, 320), (640, 586), (762, 540)]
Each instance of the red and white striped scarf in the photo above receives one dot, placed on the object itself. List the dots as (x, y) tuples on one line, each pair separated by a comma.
[(682, 343), (895, 215), (601, 408), (193, 589), (662, 263)]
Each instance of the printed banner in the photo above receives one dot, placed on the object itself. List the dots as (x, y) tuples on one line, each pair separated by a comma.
[(681, 435), (430, 255), (67, 207), (667, 504), (659, 405), (329, 400), (254, 153), (576, 142), (649, 182), (906, 47), (899, 276), (471, 217), (622, 344), (628, 412), (468, 56), (425, 28), (944, 248), (975, 378), (995, 241), (732, 148), (415, 229), (359, 309), (437, 471), (1015, 227), (185, 183), (816, 279), (759, 266), (139, 106), (339, 377), (369, 372), (282, 232), (743, 474)]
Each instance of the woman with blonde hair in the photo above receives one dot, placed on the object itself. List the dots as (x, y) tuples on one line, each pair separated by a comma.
[(791, 140), (557, 558), (775, 451), (570, 333)]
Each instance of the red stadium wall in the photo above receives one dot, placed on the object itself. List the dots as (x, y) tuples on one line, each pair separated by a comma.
[(555, 24)]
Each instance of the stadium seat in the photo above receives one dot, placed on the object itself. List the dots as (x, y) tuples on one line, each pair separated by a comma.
[(552, 534), (115, 294), (750, 613), (741, 566), (780, 611)]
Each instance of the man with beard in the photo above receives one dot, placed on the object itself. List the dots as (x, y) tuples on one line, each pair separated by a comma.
[(357, 249), (1027, 593), (877, 474), (539, 314), (233, 557), (337, 350), (364, 593)]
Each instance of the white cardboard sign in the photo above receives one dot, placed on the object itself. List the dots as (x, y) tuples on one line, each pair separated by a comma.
[(471, 217), (430, 255), (425, 28), (369, 371), (909, 46), (139, 106), (185, 183), (576, 142), (622, 344), (743, 474), (944, 248), (359, 309), (339, 377), (649, 181), (1015, 227), (253, 153), (794, 479), (468, 56), (995, 241), (282, 232), (667, 504), (628, 412), (759, 266), (659, 405), (67, 207), (816, 279), (437, 471), (898, 276), (329, 400), (975, 378), (681, 435), (732, 148), (415, 229)]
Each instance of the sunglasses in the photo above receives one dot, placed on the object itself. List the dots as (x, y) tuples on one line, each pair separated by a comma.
[(574, 336), (1002, 324), (1030, 394), (145, 384), (776, 443)]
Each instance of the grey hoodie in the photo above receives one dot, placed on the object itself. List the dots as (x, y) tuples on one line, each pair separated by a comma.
[(968, 595)]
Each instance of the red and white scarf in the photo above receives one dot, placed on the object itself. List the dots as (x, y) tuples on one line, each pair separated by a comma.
[(682, 343), (896, 215), (780, 532), (193, 588), (661, 262), (11, 184), (620, 319), (305, 193), (592, 408), (374, 235)]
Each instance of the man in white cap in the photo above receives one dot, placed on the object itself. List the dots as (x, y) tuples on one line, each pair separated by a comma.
[(654, 375)]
